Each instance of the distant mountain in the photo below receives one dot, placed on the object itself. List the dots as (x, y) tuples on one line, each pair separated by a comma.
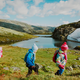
[(24, 27), (63, 31)]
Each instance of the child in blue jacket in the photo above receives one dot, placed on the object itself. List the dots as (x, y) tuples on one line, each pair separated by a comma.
[(30, 60)]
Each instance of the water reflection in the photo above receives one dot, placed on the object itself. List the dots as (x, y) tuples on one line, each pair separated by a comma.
[(44, 42)]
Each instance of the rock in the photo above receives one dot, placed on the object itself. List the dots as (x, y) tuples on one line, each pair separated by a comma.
[(78, 58), (61, 32), (38, 65), (77, 48), (6, 68), (75, 66), (48, 67), (15, 68), (79, 66), (69, 68)]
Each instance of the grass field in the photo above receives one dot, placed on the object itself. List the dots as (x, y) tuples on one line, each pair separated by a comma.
[(13, 57)]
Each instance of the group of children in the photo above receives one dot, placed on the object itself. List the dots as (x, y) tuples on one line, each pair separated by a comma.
[(61, 59)]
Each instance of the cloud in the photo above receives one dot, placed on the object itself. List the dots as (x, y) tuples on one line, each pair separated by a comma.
[(34, 11), (19, 6), (1, 12), (69, 7), (11, 11), (65, 22), (4, 16), (37, 1), (20, 16), (2, 4)]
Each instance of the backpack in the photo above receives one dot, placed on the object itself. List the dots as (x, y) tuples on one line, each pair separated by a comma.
[(26, 56), (55, 56)]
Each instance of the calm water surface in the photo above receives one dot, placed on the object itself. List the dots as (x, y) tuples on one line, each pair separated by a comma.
[(44, 42)]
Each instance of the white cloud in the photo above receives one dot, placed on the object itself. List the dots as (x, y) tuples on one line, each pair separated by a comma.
[(37, 1), (28, 0), (20, 16), (60, 19), (65, 22), (1, 12), (4, 16), (10, 11), (2, 4), (19, 6), (69, 7), (34, 11)]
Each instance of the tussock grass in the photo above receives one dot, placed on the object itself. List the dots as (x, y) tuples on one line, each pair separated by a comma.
[(13, 56)]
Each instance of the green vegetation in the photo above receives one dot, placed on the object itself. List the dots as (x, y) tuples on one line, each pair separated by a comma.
[(24, 27), (13, 57), (10, 36)]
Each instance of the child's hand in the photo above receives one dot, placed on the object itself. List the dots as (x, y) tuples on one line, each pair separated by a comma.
[(33, 66), (61, 66)]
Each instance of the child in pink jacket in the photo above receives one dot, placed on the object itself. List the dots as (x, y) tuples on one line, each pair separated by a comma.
[(1, 52), (61, 58)]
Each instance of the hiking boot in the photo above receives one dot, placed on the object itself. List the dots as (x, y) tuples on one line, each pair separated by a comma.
[(57, 73)]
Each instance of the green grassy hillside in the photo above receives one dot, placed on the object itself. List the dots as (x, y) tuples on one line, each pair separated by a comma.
[(24, 27), (13, 57), (10, 36)]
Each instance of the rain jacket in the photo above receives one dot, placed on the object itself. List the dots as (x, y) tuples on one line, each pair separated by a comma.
[(61, 59), (30, 58)]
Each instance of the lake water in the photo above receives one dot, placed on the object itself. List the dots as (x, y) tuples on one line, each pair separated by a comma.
[(44, 42)]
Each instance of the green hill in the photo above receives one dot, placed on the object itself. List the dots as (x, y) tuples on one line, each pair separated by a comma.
[(10, 36), (24, 27)]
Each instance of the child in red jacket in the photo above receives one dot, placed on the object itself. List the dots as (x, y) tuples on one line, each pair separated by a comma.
[(61, 58)]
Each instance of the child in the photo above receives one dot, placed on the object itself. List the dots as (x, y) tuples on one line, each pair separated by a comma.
[(1, 52), (30, 60), (61, 58)]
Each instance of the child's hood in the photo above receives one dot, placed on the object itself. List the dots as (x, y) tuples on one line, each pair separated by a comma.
[(30, 50)]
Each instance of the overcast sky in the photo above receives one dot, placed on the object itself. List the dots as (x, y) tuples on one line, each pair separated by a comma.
[(41, 12)]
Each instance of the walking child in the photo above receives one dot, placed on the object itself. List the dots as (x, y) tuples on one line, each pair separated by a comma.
[(30, 60), (1, 52), (61, 58)]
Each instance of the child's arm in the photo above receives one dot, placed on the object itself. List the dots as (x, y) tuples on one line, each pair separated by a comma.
[(59, 62)]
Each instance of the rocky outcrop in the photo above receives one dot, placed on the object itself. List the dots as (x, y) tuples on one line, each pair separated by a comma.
[(63, 31), (77, 48)]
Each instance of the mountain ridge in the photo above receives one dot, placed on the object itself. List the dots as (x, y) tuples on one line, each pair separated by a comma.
[(24, 27)]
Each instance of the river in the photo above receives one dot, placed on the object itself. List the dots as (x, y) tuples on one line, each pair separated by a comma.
[(45, 41)]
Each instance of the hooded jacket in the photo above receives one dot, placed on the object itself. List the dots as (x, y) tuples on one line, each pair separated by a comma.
[(61, 59), (30, 58)]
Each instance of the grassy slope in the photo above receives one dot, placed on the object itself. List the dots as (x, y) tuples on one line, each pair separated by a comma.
[(13, 56), (24, 27), (8, 35)]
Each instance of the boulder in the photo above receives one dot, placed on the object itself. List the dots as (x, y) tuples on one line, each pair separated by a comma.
[(69, 68), (63, 31)]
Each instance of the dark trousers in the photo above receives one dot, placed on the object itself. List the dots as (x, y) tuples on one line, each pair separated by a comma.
[(30, 70)]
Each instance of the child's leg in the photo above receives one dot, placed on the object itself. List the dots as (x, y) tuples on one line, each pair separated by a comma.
[(29, 71), (35, 69), (61, 71)]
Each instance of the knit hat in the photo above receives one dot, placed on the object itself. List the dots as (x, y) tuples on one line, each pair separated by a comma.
[(64, 46), (34, 47)]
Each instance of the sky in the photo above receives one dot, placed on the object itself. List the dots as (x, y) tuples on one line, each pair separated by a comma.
[(41, 12)]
